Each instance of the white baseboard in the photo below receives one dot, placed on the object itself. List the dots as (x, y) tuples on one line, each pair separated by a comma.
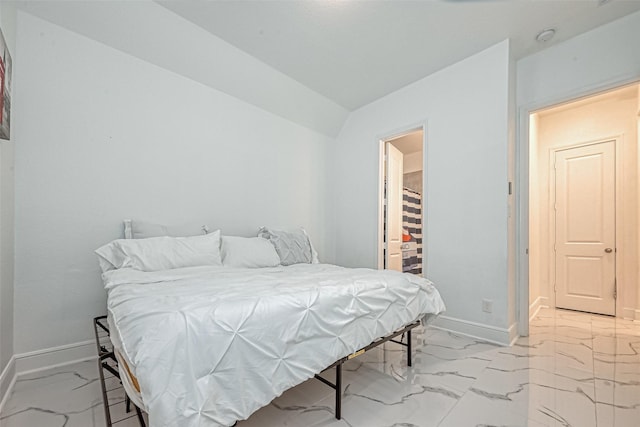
[(53, 357), (513, 333), (493, 334), (7, 381), (631, 313), (535, 306), (40, 360)]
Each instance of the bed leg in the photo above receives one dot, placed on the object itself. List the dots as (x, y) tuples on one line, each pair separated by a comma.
[(140, 418), (339, 391), (409, 347)]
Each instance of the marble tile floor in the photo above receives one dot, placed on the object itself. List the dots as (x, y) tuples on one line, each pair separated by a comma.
[(575, 369)]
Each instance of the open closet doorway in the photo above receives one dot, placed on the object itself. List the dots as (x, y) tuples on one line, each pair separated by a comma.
[(400, 243), (583, 204)]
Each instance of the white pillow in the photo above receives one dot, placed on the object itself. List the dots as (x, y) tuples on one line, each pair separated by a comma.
[(135, 229), (292, 245), (161, 253), (248, 252)]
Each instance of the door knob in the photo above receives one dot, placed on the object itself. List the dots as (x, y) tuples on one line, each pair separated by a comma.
[(608, 250)]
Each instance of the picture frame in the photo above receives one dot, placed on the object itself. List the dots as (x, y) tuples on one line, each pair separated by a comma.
[(5, 87)]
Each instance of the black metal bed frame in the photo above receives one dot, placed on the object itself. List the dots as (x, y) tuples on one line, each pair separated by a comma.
[(337, 386), (107, 362), (105, 356)]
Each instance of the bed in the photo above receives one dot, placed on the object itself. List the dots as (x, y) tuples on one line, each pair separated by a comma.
[(207, 345)]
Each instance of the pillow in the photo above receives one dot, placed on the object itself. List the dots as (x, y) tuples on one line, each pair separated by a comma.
[(161, 253), (293, 246), (143, 230), (248, 252)]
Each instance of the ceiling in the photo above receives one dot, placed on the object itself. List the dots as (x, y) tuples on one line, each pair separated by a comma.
[(354, 52), (409, 143)]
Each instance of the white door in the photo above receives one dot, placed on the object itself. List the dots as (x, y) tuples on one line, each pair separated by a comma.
[(585, 228), (393, 219)]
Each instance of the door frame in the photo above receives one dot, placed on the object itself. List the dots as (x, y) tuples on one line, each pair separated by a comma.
[(522, 188), (381, 140), (393, 214), (618, 190)]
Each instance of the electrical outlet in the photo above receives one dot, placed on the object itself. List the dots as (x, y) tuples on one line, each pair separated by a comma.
[(487, 305)]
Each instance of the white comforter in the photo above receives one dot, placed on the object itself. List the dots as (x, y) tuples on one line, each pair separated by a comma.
[(211, 345)]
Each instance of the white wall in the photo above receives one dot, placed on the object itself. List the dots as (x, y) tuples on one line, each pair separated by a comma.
[(465, 107), (588, 62), (103, 136), (534, 219), (412, 162), (8, 26), (600, 59), (601, 118), (512, 242)]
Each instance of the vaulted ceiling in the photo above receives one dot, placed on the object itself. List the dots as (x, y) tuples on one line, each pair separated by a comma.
[(354, 52)]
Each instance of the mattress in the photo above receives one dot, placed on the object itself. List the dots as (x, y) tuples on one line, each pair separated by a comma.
[(210, 345)]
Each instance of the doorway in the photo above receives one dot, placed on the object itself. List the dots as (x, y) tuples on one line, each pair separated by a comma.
[(401, 210), (583, 204)]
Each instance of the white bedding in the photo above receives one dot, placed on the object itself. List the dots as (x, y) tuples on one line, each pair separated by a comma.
[(211, 345)]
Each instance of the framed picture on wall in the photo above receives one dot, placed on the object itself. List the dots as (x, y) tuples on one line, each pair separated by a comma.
[(5, 86)]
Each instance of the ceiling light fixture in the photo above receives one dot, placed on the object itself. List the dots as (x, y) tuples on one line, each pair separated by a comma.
[(545, 35)]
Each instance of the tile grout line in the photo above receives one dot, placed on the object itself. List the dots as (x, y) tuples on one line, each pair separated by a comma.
[(461, 397)]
